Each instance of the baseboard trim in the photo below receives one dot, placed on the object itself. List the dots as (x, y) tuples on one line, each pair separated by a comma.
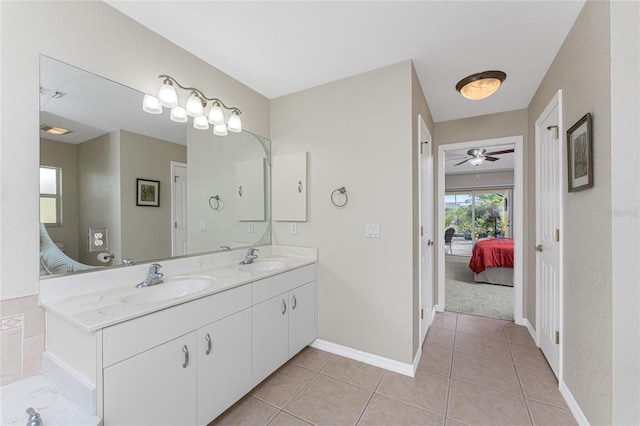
[(532, 332), (367, 358), (73, 385), (573, 405)]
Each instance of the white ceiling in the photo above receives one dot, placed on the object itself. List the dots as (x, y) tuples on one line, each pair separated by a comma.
[(282, 47), (454, 156)]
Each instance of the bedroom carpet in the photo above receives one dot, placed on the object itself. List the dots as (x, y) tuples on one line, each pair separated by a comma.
[(465, 296)]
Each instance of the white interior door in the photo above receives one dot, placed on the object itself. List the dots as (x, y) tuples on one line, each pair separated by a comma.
[(548, 216), (179, 230), (425, 189)]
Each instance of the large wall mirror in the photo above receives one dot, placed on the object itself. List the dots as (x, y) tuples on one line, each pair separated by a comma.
[(127, 186)]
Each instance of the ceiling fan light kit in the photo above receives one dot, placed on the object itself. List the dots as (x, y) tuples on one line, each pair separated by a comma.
[(478, 156), (481, 85)]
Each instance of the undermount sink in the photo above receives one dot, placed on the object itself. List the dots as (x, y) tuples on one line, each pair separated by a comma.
[(171, 288), (264, 265)]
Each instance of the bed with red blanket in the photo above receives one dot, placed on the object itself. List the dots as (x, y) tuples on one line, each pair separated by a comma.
[(492, 261)]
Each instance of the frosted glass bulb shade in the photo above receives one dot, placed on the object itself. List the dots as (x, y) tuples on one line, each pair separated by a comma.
[(168, 96), (194, 105), (179, 114), (476, 161), (220, 129), (216, 116), (200, 123), (481, 85), (151, 105), (234, 124)]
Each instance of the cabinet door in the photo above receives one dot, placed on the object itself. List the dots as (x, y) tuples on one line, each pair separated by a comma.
[(156, 387), (302, 317), (224, 364), (270, 336), (289, 187)]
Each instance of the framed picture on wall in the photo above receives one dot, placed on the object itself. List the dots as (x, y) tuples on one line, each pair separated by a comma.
[(580, 155), (147, 193)]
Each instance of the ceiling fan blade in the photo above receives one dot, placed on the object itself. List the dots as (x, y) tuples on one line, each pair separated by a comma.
[(462, 162), (506, 151), (491, 158)]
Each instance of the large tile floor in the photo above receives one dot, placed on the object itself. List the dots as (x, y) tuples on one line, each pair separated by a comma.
[(473, 371)]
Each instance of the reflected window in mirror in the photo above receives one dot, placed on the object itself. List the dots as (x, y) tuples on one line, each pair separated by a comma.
[(50, 199)]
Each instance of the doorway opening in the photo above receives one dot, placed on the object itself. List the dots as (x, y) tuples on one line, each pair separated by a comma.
[(480, 206)]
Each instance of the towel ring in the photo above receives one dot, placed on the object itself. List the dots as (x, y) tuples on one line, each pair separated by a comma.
[(342, 191), (217, 200)]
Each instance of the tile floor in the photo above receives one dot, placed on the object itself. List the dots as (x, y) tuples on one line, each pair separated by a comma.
[(473, 371)]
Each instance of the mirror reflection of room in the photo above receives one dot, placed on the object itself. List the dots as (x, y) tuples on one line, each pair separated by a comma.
[(92, 154)]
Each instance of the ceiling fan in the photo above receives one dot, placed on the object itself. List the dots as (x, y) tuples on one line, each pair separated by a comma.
[(479, 155)]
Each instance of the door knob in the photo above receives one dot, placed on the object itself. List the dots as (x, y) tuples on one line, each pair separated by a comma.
[(539, 247)]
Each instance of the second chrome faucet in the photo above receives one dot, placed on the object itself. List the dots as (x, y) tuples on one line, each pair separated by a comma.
[(249, 256), (153, 277)]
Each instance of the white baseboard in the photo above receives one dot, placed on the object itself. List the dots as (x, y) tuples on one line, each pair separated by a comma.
[(433, 313), (367, 358), (532, 332), (439, 308), (73, 385), (573, 405)]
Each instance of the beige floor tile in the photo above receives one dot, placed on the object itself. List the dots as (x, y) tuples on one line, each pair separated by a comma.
[(481, 346), (453, 314), (436, 360), (280, 388), (440, 337), (386, 411), (546, 415), (480, 326), (541, 387), (285, 419), (444, 321), (312, 358), (327, 401), (476, 405), (354, 372), (498, 375), (425, 390), (518, 334), (529, 356), (450, 422), (247, 411)]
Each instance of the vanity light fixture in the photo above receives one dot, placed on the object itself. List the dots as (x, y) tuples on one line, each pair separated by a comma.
[(195, 107), (481, 85)]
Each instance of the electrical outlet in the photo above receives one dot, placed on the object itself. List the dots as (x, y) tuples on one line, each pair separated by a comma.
[(98, 239), (203, 226), (250, 227), (373, 230), (294, 228)]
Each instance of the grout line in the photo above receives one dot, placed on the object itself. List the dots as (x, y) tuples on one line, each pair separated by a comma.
[(513, 361)]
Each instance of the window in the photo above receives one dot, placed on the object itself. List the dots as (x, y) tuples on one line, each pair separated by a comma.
[(51, 195)]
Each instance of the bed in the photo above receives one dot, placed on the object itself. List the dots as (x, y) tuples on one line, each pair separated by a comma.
[(492, 261)]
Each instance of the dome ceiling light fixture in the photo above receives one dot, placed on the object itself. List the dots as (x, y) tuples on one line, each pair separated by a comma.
[(481, 85)]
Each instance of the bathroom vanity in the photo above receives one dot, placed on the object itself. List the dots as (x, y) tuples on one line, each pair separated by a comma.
[(163, 356)]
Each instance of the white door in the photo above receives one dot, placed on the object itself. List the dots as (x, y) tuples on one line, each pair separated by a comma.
[(549, 144), (425, 189), (179, 229)]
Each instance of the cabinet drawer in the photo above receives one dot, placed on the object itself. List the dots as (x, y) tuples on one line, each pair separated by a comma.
[(129, 338), (270, 287)]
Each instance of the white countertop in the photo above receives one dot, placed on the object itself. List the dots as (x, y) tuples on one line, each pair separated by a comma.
[(101, 308)]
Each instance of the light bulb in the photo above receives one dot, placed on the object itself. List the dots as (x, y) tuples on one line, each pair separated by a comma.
[(167, 94), (476, 161), (194, 105), (200, 123), (179, 114), (216, 116), (151, 105), (234, 124), (220, 129)]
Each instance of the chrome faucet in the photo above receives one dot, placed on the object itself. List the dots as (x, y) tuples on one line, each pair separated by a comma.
[(249, 256), (34, 418), (154, 277)]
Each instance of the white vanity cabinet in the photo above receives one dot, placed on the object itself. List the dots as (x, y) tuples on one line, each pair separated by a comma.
[(283, 319)]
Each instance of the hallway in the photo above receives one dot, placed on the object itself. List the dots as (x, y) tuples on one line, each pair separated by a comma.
[(473, 371)]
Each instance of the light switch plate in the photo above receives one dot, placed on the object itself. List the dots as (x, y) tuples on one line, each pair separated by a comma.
[(294, 228), (373, 230), (250, 227), (203, 226), (98, 240)]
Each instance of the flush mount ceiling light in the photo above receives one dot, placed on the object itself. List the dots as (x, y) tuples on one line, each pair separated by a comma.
[(481, 85), (55, 130), (195, 107)]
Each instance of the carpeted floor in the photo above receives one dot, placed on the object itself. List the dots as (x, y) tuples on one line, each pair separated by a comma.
[(463, 295)]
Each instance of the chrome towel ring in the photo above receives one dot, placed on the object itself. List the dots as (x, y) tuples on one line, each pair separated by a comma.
[(342, 191), (215, 198)]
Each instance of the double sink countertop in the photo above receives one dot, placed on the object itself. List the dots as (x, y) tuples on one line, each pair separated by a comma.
[(108, 306)]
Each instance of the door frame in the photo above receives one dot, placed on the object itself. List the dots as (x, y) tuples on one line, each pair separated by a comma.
[(518, 208), (424, 203), (562, 161), (174, 165)]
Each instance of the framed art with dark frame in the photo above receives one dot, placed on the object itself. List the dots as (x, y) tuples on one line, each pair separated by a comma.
[(147, 193), (580, 154)]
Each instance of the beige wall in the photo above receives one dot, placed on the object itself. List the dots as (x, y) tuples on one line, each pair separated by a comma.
[(71, 32), (582, 70), (64, 156), (365, 286), (146, 231)]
